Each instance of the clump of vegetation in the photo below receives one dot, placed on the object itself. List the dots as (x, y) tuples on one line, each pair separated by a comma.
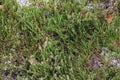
[(57, 40)]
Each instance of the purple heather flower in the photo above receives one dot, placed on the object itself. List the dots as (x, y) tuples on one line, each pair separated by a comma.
[(110, 4), (96, 62)]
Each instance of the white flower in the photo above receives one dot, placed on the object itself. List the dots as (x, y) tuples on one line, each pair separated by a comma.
[(114, 62), (24, 2), (46, 1), (118, 64)]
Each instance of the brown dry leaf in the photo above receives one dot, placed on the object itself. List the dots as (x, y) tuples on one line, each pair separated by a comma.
[(99, 76), (39, 47), (109, 19), (1, 6), (117, 44), (32, 60), (68, 77), (41, 5), (45, 43)]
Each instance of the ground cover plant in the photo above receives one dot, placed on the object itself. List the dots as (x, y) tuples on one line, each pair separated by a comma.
[(59, 40)]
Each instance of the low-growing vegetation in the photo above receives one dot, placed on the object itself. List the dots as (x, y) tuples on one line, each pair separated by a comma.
[(59, 40)]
